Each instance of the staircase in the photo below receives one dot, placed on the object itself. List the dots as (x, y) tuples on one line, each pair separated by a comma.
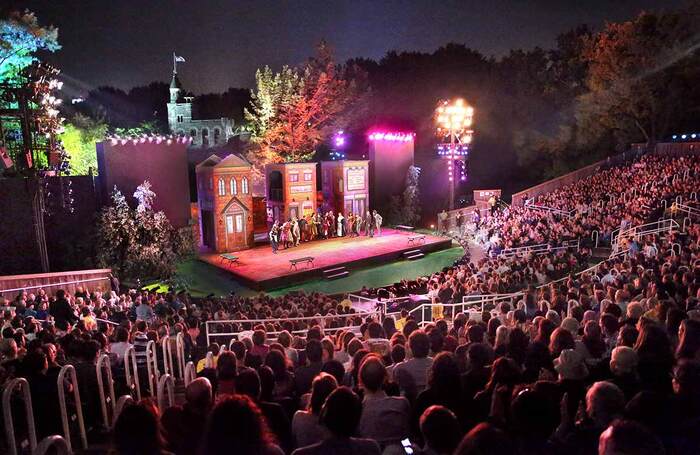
[(412, 255), (335, 273)]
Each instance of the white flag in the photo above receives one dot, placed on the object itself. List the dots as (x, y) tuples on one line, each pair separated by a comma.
[(179, 59)]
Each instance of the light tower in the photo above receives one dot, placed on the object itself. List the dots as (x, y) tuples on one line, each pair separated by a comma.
[(454, 121)]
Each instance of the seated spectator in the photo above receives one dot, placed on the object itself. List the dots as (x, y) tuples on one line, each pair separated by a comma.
[(226, 373), (412, 375), (623, 366), (236, 425), (305, 374), (625, 437), (306, 428), (137, 432), (443, 385), (384, 419), (284, 380), (341, 415), (184, 425), (440, 431), (485, 439)]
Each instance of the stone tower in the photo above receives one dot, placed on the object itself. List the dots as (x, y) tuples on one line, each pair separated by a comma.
[(179, 108)]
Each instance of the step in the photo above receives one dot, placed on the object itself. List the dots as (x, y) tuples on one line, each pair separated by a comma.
[(338, 275), (411, 252), (414, 256), (334, 269)]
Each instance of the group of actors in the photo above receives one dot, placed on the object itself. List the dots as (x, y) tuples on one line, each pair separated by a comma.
[(323, 226)]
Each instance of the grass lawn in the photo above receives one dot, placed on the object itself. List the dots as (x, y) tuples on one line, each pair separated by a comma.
[(205, 279)]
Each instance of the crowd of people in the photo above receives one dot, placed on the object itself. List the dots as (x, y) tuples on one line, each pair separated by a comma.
[(323, 226), (601, 361)]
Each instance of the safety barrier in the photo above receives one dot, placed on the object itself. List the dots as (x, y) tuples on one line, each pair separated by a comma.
[(190, 373), (362, 304), (22, 385), (686, 223), (107, 400), (166, 383), (673, 249), (122, 402), (68, 372), (180, 352), (131, 372), (594, 237), (657, 227), (541, 248), (55, 445), (555, 211), (690, 211), (152, 367), (167, 356), (321, 321)]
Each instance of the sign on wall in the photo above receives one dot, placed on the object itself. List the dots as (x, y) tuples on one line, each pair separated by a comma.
[(356, 179), (300, 189)]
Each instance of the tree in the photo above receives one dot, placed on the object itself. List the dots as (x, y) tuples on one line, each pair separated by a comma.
[(640, 72), (406, 208), (79, 139), (21, 37), (294, 111), (140, 243)]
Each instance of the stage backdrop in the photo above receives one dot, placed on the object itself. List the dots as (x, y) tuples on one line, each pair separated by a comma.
[(128, 163)]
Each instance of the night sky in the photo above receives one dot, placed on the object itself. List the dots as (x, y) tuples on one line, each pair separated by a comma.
[(124, 43)]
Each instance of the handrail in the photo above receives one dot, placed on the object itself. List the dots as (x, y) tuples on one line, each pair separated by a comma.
[(565, 213), (541, 248), (209, 360), (190, 373), (23, 386), (53, 285), (131, 371), (691, 211), (596, 234), (685, 226), (56, 443), (167, 355), (152, 367), (166, 383), (673, 249), (122, 402), (662, 225), (103, 365), (68, 370), (180, 351)]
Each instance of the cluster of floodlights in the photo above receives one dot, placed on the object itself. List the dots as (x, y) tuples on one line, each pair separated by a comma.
[(150, 138), (391, 136), (685, 137)]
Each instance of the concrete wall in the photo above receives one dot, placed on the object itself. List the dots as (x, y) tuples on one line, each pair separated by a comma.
[(164, 164)]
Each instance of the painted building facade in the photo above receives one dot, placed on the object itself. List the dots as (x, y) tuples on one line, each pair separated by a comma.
[(345, 186), (225, 202), (204, 132), (291, 190)]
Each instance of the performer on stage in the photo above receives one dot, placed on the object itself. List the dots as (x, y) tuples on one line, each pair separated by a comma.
[(369, 224), (341, 224), (317, 226), (274, 236), (296, 232), (284, 236), (377, 222)]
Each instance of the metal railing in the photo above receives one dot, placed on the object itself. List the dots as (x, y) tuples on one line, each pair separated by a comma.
[(152, 367), (190, 373), (22, 385), (69, 371), (122, 402), (166, 384), (52, 444), (107, 400), (555, 211), (542, 248), (690, 211), (131, 372), (321, 320), (657, 227)]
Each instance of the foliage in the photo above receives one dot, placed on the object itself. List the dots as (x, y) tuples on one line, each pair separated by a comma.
[(296, 110), (406, 208), (21, 37), (139, 243), (79, 139), (139, 130)]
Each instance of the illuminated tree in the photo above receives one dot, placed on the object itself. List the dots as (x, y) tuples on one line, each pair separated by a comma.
[(79, 139), (21, 37)]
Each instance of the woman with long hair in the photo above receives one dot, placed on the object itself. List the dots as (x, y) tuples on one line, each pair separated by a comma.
[(655, 357), (236, 425), (137, 431), (688, 340)]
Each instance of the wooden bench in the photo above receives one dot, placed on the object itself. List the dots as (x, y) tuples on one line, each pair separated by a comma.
[(416, 238), (230, 258), (293, 262)]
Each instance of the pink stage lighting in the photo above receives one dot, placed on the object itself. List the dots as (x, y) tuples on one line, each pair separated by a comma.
[(391, 136)]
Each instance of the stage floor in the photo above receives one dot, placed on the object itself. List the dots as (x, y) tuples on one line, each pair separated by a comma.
[(260, 269)]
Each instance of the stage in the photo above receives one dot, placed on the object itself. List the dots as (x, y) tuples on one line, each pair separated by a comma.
[(260, 269)]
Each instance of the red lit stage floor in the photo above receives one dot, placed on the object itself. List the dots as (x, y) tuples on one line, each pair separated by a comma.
[(260, 269)]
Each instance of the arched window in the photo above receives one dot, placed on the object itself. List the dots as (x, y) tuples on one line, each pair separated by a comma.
[(244, 185), (222, 188), (205, 136), (234, 186), (217, 134), (193, 132)]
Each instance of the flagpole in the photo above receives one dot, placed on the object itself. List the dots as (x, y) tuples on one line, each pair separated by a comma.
[(174, 63)]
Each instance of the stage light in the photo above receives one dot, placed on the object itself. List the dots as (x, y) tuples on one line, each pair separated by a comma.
[(683, 136), (693, 135), (674, 137)]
